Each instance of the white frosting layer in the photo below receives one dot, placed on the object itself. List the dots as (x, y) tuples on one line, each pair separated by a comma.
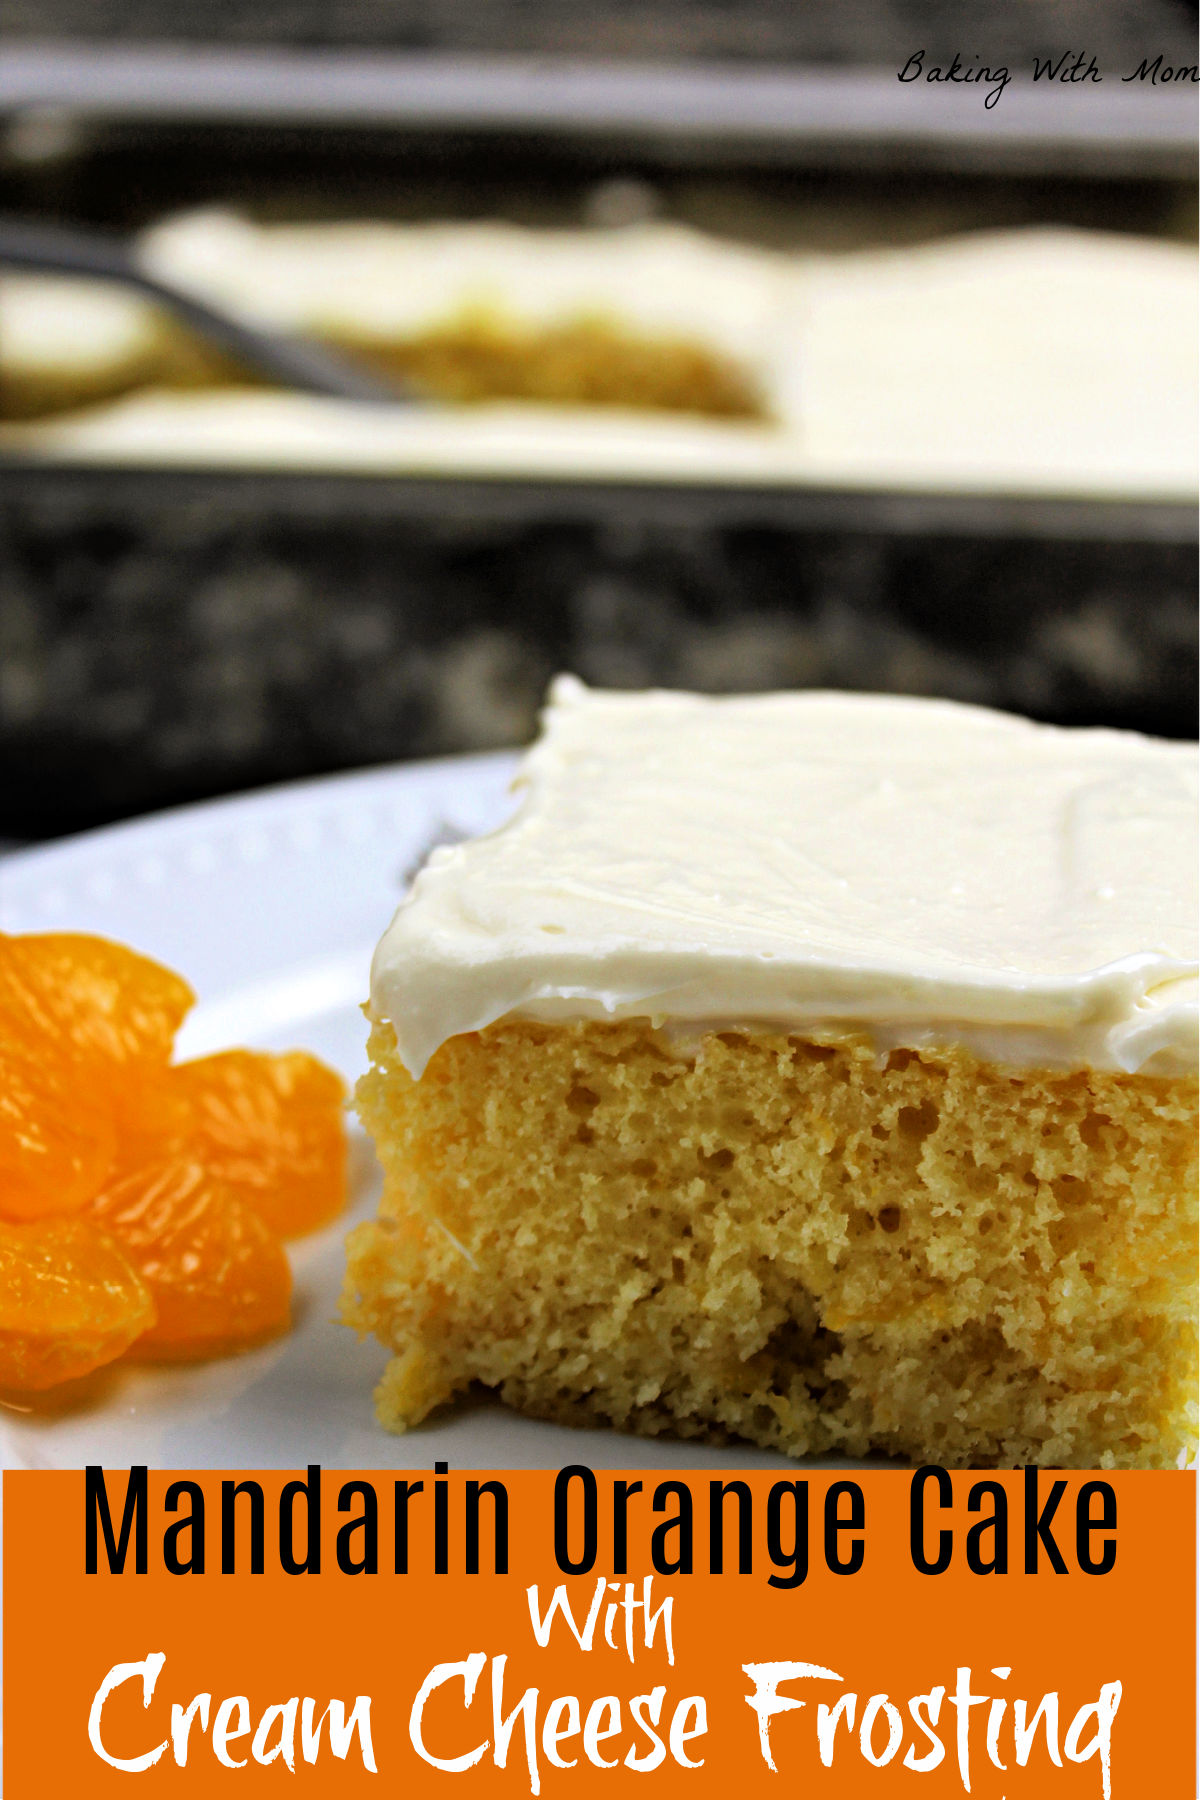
[(999, 354), (66, 330), (929, 872)]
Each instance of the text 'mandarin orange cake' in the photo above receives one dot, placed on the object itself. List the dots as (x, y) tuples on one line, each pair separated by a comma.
[(814, 1069)]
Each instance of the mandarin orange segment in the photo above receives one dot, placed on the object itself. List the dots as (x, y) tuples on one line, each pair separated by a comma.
[(56, 1142), (79, 1017), (271, 1128), (179, 1180), (69, 1302), (90, 1000), (157, 1122), (219, 1277)]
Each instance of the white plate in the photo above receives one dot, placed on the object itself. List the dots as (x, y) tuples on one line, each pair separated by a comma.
[(270, 905)]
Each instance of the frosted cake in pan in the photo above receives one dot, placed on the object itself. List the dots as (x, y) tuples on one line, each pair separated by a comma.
[(1038, 361), (813, 1069), (649, 316)]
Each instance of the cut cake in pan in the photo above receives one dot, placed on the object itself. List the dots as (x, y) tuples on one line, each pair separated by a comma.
[(812, 1069), (649, 351)]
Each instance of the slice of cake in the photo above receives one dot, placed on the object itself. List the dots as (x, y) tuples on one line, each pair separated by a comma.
[(813, 1069)]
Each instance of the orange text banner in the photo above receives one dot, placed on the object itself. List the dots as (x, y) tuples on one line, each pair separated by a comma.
[(1008, 1636)]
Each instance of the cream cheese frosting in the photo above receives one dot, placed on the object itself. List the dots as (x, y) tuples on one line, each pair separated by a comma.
[(53, 326), (927, 872)]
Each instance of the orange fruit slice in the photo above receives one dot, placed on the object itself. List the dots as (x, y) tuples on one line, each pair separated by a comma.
[(78, 1017), (91, 1000), (56, 1143), (69, 1301), (270, 1127), (218, 1275), (175, 1182)]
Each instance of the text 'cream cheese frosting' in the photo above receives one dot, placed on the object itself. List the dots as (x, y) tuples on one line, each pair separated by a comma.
[(928, 872)]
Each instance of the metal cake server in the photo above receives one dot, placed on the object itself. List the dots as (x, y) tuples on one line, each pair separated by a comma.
[(286, 361)]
